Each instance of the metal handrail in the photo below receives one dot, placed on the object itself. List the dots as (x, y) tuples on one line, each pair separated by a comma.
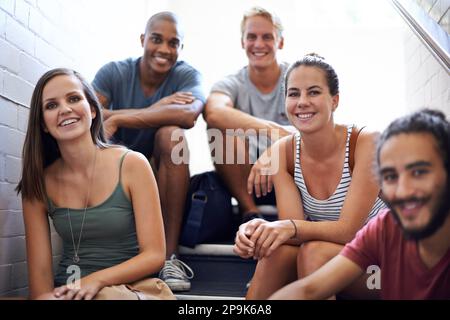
[(429, 32)]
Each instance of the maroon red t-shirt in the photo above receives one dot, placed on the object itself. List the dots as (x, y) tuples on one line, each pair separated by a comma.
[(403, 274)]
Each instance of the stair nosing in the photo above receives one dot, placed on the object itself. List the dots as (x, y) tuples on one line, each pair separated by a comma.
[(205, 297), (208, 249)]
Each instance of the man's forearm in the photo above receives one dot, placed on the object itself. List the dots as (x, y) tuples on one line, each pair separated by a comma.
[(183, 116), (231, 118)]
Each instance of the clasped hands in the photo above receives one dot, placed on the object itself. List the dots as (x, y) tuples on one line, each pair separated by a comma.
[(259, 238)]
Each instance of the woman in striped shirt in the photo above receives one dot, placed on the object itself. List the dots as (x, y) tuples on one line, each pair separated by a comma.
[(325, 202)]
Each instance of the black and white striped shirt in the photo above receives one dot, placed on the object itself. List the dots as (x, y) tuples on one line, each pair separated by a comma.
[(329, 209)]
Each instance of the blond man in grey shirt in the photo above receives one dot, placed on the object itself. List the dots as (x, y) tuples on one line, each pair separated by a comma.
[(252, 100)]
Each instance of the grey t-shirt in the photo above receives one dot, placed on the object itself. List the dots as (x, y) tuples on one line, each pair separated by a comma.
[(247, 98)]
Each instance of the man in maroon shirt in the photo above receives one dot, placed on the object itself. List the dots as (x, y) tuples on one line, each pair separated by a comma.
[(409, 243)]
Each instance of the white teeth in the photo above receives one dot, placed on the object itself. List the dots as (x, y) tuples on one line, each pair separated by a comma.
[(67, 122), (305, 116), (161, 60), (259, 54), (411, 205)]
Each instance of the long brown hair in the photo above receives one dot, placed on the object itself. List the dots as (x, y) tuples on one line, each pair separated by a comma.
[(40, 148)]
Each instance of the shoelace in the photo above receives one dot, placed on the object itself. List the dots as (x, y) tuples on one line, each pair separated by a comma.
[(175, 268)]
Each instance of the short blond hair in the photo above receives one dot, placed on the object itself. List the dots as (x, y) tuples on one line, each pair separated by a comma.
[(261, 12)]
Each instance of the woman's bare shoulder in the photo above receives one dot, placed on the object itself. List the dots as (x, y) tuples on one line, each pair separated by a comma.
[(368, 133)]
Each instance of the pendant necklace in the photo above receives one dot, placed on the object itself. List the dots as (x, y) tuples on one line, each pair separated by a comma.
[(76, 248)]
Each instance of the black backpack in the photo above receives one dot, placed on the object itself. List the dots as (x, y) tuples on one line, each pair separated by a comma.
[(208, 212)]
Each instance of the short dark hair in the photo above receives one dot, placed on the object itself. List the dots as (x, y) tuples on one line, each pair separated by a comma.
[(315, 60), (165, 15), (423, 121)]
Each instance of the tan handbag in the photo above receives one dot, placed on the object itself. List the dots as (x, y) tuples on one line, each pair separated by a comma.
[(146, 289)]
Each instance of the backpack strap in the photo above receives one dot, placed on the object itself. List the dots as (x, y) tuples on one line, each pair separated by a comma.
[(290, 148), (352, 147), (190, 232)]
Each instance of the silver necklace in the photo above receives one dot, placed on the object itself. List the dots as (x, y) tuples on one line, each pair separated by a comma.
[(76, 257)]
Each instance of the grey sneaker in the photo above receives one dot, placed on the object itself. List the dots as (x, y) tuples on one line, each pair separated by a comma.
[(176, 274)]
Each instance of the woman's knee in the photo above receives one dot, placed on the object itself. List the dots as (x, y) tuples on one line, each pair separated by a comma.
[(314, 254), (273, 272), (281, 260)]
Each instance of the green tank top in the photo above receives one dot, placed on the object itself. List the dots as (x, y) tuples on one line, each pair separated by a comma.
[(109, 233)]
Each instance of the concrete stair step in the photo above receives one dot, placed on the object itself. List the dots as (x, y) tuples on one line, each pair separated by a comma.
[(218, 272)]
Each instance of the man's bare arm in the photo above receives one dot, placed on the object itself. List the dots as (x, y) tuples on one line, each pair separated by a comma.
[(221, 114), (180, 109), (330, 279)]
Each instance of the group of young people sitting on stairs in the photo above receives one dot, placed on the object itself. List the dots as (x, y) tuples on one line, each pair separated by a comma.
[(98, 160)]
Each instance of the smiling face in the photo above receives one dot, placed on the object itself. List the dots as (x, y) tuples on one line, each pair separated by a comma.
[(260, 41), (162, 45), (309, 104), (414, 183), (66, 112)]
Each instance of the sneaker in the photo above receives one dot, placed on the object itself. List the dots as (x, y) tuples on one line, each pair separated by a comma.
[(176, 274)]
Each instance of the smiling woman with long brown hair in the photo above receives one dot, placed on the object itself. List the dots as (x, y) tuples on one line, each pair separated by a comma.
[(103, 199), (323, 199)]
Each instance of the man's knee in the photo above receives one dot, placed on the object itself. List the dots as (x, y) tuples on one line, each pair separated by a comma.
[(229, 149), (168, 138)]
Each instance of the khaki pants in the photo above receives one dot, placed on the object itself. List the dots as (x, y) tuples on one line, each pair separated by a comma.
[(146, 289)]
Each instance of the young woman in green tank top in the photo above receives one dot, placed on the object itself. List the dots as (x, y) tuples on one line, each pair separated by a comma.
[(103, 200)]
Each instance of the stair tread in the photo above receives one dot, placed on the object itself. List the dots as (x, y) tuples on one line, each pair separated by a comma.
[(208, 249), (205, 297), (217, 288)]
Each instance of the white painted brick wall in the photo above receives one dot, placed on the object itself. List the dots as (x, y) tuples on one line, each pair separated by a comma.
[(22, 118), (2, 23), (19, 35), (5, 276), (12, 223), (19, 275), (9, 114), (2, 168), (1, 84), (16, 88), (438, 10), (9, 57), (8, 6), (30, 69), (22, 12), (13, 167), (12, 250), (427, 81), (35, 22), (11, 141), (8, 198)]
